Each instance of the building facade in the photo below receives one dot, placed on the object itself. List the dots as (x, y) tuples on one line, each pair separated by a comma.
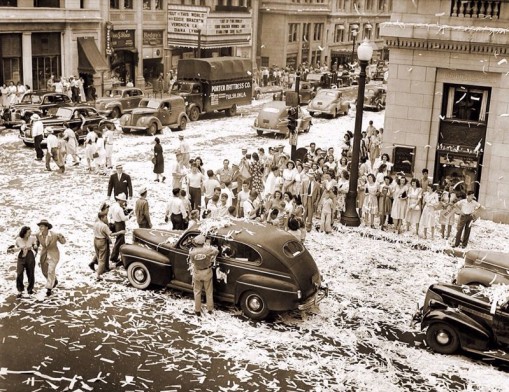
[(448, 95), (292, 32)]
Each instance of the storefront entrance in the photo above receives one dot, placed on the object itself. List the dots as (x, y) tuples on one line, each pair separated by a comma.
[(10, 59), (46, 59)]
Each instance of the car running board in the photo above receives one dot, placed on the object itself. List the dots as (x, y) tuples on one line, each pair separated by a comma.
[(491, 354)]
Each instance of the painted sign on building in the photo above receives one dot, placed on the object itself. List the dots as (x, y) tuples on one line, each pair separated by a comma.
[(109, 27), (122, 39), (152, 37)]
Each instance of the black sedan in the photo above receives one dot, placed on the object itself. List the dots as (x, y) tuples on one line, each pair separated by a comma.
[(259, 267)]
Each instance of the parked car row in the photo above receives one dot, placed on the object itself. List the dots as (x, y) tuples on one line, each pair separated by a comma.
[(472, 313)]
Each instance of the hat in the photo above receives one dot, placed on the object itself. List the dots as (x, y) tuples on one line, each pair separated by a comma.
[(199, 239), (35, 117), (143, 190), (280, 146), (119, 166), (122, 197), (45, 222), (244, 148), (364, 131), (290, 161), (311, 172), (181, 136)]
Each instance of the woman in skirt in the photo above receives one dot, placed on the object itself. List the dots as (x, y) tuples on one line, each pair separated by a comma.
[(370, 207)]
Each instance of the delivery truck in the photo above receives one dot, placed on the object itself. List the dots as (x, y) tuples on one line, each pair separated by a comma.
[(214, 84)]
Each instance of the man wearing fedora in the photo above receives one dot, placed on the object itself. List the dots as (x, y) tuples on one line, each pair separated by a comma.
[(53, 151), (47, 241), (119, 218), (120, 182), (102, 235), (141, 210), (202, 259), (310, 196), (38, 135)]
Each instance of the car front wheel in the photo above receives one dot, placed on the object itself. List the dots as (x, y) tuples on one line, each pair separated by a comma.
[(152, 129), (254, 306), (194, 113), (442, 338), (138, 275), (183, 123)]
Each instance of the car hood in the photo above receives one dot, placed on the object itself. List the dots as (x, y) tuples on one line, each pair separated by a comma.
[(154, 238), (139, 111)]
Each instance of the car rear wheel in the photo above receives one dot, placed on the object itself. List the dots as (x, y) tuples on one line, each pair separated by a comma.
[(138, 275), (442, 338), (115, 113), (231, 111), (183, 123), (254, 306), (194, 113), (152, 129)]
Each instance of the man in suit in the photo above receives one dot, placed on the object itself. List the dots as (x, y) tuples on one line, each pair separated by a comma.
[(50, 254), (310, 196), (120, 182)]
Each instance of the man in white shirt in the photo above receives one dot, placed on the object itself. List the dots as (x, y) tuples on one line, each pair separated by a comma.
[(209, 185), (108, 146), (249, 206), (176, 211), (38, 135), (466, 209), (185, 150), (119, 219), (52, 151)]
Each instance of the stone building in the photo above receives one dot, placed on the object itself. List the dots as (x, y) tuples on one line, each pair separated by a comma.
[(448, 95)]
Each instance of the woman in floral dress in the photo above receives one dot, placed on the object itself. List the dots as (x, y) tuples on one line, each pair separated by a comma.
[(370, 207), (413, 212), (256, 169), (399, 206)]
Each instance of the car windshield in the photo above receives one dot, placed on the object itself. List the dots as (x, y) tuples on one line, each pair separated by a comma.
[(64, 113), (186, 87), (113, 93)]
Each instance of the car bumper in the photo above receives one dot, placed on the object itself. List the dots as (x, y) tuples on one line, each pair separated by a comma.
[(317, 112), (315, 299), (273, 130), (128, 128), (105, 112)]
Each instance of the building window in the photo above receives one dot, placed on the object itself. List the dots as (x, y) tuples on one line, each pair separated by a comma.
[(115, 4), (8, 3), (369, 5), (317, 34), (47, 3), (146, 4), (367, 30), (466, 103), (381, 5), (292, 32), (339, 33), (305, 31), (46, 58), (377, 30), (128, 4)]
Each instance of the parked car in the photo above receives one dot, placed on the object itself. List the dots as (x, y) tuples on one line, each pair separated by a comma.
[(463, 317), (79, 118), (484, 268), (306, 93), (119, 100), (273, 117), (329, 102), (31, 102), (278, 276), (374, 98), (154, 114)]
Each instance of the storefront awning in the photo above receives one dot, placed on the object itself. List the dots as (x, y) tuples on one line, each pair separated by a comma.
[(90, 59)]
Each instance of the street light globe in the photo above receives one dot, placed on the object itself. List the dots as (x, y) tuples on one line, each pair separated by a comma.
[(364, 51), (200, 26)]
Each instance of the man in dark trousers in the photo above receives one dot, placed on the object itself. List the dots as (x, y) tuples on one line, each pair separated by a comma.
[(120, 182), (119, 219)]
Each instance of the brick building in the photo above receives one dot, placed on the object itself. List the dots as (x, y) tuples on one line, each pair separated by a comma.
[(448, 94)]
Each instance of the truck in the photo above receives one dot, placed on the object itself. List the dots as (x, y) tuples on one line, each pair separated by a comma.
[(214, 84)]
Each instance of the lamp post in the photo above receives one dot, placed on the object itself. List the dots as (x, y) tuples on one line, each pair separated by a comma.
[(350, 217), (199, 28), (355, 31)]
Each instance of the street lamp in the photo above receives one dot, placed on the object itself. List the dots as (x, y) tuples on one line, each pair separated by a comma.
[(350, 217), (355, 31), (199, 28)]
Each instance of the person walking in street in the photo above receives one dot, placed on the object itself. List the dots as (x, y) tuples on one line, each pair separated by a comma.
[(195, 180), (108, 136), (48, 241), (119, 219), (26, 243), (102, 234), (90, 148), (178, 171), (72, 144), (202, 259), (158, 160), (185, 150), (38, 135), (466, 208), (53, 151), (141, 210), (176, 211), (120, 183)]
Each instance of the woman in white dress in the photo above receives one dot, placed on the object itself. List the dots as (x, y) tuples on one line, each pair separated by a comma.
[(370, 207), (100, 156), (413, 212), (289, 177), (90, 148), (72, 144), (399, 206), (431, 201)]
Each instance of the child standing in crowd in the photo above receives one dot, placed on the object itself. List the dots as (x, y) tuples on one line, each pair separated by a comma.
[(325, 210)]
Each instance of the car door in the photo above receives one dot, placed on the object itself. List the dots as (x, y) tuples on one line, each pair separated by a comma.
[(164, 113), (181, 274), (501, 325)]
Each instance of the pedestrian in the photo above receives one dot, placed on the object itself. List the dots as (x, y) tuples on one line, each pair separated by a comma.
[(105, 208), (399, 206), (141, 210), (431, 201), (202, 259), (119, 219), (325, 211), (370, 130), (413, 213), (100, 154), (108, 136), (385, 201), (185, 150), (242, 196), (178, 171), (175, 211), (71, 144), (466, 208), (11, 93), (53, 151), (50, 254), (194, 218), (26, 243), (102, 233), (225, 174), (370, 207), (250, 207), (209, 185), (195, 181), (120, 183), (90, 148), (310, 196), (446, 215), (158, 160), (38, 135), (62, 148)]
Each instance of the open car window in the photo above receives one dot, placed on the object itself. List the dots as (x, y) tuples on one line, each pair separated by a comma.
[(187, 242), (234, 250)]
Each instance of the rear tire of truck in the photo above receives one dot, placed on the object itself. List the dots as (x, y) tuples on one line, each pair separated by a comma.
[(194, 113), (183, 123), (231, 111), (152, 129)]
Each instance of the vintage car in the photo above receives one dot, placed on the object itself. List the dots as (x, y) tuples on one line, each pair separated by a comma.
[(374, 98), (273, 117), (329, 102), (259, 267), (41, 104), (79, 118), (119, 100), (154, 114), (464, 317), (484, 268), (306, 93)]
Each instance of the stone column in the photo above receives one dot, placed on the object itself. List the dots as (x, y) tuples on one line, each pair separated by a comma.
[(26, 44)]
